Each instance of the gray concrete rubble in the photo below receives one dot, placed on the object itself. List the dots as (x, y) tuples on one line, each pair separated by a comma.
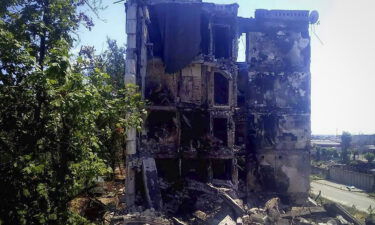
[(221, 136), (208, 207)]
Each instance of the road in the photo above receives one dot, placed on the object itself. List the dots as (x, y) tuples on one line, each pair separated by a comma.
[(338, 193)]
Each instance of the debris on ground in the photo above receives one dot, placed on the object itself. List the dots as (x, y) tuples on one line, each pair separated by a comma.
[(205, 203)]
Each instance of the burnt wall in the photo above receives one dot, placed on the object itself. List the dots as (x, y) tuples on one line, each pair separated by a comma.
[(278, 101), (190, 87), (210, 118)]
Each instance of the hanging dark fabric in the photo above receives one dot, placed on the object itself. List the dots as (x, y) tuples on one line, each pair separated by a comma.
[(180, 33)]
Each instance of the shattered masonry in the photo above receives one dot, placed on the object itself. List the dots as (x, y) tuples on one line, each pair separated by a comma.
[(211, 119)]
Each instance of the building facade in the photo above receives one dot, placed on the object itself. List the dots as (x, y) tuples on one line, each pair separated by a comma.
[(211, 118)]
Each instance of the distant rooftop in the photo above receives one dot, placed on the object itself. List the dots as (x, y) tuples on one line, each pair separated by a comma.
[(326, 143)]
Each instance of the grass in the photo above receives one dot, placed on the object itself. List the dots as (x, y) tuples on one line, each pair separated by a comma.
[(316, 177), (371, 194)]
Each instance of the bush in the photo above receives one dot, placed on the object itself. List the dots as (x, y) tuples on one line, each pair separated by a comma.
[(369, 157), (57, 120)]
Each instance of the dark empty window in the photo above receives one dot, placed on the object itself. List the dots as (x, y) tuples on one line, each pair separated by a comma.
[(205, 35), (221, 169), (195, 169), (162, 127), (194, 127), (240, 133), (242, 84), (220, 129), (222, 42), (168, 169), (221, 89)]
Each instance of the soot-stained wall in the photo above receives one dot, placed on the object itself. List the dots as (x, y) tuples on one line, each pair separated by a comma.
[(208, 115), (278, 102)]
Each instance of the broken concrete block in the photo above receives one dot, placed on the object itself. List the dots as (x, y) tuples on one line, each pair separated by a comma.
[(342, 214), (303, 211), (257, 218), (332, 222), (227, 221), (178, 221), (340, 219), (239, 221), (200, 215), (150, 177), (303, 221)]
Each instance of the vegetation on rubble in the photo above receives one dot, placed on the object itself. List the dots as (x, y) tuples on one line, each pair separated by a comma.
[(326, 153), (369, 157), (361, 216), (61, 118), (316, 177)]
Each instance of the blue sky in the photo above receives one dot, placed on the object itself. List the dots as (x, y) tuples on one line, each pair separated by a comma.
[(343, 77)]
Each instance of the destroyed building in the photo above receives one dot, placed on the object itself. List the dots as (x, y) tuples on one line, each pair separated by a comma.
[(211, 119)]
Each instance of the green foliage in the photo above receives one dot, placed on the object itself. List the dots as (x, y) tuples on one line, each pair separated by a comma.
[(58, 120), (346, 139), (50, 146), (354, 153), (352, 210), (316, 177), (326, 153), (369, 157), (112, 61)]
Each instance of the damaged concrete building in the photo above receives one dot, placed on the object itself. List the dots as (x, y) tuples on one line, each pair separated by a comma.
[(212, 120)]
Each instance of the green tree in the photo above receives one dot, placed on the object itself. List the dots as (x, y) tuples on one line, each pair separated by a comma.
[(355, 153), (369, 157), (346, 139), (318, 154), (111, 61), (114, 63), (335, 153), (55, 117)]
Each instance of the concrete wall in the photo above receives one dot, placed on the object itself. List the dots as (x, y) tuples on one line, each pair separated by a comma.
[(324, 173), (359, 180), (273, 120), (278, 102)]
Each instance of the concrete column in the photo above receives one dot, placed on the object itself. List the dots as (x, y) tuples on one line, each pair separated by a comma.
[(131, 147), (209, 171), (234, 173), (130, 185), (252, 181), (143, 13), (130, 73), (150, 178)]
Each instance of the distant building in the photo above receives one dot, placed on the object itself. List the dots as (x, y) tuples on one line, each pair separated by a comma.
[(325, 144), (368, 148), (363, 139)]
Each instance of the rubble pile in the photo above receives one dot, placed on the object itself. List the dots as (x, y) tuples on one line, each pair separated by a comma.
[(201, 203)]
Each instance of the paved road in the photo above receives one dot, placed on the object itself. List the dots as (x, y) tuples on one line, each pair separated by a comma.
[(334, 192)]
